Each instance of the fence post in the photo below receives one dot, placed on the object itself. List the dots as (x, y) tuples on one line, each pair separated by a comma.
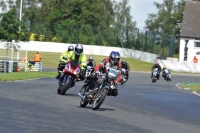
[(5, 66)]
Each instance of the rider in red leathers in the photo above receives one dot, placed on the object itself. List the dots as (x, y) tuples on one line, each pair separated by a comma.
[(111, 62)]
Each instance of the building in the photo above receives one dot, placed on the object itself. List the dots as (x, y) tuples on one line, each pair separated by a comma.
[(190, 32)]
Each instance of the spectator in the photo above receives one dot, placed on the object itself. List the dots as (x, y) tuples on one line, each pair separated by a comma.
[(37, 57), (195, 59), (25, 58)]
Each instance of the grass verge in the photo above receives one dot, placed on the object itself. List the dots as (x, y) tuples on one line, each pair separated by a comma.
[(25, 75), (192, 86)]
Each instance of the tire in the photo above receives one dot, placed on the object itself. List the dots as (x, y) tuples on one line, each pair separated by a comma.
[(58, 90), (66, 86), (153, 79), (122, 79), (83, 103), (97, 102)]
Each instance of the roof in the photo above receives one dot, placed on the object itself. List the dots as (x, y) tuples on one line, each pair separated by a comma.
[(191, 20)]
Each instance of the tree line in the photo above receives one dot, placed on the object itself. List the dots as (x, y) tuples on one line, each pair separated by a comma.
[(99, 22)]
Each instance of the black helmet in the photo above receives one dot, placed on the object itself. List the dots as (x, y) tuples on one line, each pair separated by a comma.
[(70, 48), (91, 59), (78, 49), (123, 61)]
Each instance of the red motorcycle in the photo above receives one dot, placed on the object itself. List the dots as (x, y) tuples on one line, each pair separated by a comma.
[(68, 76)]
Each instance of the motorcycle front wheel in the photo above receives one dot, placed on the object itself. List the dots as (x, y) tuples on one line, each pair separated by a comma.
[(66, 86), (99, 98), (83, 103)]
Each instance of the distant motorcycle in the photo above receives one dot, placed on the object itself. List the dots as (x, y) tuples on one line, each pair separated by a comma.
[(167, 75), (123, 76), (67, 77), (88, 71), (95, 90), (155, 75)]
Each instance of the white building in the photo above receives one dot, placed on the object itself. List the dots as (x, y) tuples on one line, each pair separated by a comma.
[(190, 33)]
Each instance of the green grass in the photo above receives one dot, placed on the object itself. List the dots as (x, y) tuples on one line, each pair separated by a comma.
[(25, 75), (51, 59), (192, 86)]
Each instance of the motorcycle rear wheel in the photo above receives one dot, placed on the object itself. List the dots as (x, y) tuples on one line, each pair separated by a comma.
[(99, 99)]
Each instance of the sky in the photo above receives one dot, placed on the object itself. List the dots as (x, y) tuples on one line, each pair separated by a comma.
[(140, 9)]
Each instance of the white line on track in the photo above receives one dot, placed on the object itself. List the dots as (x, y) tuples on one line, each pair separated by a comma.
[(194, 92), (26, 80)]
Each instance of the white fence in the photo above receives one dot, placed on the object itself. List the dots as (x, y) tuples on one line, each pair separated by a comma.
[(104, 50)]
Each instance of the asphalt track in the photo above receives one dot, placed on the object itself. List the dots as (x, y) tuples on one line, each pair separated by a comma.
[(33, 106)]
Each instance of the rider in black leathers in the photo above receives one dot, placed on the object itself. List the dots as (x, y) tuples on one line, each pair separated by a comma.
[(126, 66), (159, 69), (91, 62)]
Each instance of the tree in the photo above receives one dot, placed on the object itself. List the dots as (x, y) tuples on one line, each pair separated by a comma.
[(9, 27), (124, 27)]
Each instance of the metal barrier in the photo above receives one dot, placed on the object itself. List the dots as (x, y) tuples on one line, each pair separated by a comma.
[(17, 66), (4, 66)]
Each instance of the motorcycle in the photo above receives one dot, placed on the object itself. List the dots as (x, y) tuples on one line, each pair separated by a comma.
[(167, 75), (88, 71), (155, 74), (123, 76), (95, 90), (68, 76)]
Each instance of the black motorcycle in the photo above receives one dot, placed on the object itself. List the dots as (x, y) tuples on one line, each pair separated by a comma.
[(95, 89)]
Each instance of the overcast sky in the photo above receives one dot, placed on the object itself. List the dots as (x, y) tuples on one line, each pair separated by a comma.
[(140, 9)]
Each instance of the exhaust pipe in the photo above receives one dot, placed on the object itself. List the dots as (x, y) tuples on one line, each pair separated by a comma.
[(81, 95)]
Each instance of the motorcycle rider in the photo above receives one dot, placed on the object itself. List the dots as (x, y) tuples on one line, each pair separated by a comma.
[(63, 59), (163, 72), (126, 66), (91, 62), (77, 56), (111, 62), (156, 65)]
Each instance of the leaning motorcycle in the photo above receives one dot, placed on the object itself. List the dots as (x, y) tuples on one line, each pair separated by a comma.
[(95, 90), (155, 74), (88, 71), (68, 76), (123, 76), (167, 75)]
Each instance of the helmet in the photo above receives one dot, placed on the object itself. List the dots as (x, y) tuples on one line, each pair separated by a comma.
[(70, 48), (164, 66), (91, 59), (123, 61), (157, 63), (114, 57), (78, 49)]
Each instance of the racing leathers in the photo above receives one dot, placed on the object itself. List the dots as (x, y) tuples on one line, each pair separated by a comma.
[(72, 56), (127, 68), (105, 64), (159, 70)]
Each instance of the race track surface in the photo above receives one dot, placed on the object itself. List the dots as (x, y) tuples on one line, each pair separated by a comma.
[(33, 106)]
